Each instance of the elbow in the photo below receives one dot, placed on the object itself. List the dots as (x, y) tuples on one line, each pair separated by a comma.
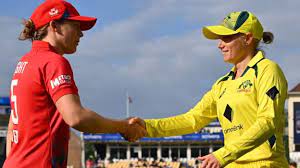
[(76, 119), (78, 124), (75, 123), (270, 124)]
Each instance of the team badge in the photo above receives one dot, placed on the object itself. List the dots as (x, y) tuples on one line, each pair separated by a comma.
[(53, 12), (245, 86)]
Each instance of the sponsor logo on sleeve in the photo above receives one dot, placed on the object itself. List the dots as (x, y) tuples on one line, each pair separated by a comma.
[(234, 128), (61, 79)]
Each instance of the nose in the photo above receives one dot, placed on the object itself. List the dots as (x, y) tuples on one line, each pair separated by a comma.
[(221, 44)]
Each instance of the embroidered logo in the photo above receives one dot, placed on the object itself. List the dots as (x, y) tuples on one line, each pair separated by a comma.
[(53, 12), (245, 86), (228, 22)]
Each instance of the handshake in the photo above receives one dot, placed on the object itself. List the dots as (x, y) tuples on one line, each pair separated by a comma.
[(134, 129)]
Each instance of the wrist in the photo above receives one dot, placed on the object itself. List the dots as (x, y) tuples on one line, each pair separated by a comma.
[(220, 154), (121, 126)]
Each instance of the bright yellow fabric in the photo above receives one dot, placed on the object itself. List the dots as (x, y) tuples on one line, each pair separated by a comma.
[(255, 116), (258, 164), (227, 27)]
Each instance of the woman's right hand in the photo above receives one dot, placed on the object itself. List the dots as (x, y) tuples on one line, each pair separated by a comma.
[(136, 129), (137, 120)]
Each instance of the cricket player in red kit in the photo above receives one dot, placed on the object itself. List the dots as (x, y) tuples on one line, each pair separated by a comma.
[(44, 96)]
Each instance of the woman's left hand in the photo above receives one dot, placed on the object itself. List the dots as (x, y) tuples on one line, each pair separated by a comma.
[(209, 161)]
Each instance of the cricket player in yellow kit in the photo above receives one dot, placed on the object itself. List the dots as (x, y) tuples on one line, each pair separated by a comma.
[(248, 101)]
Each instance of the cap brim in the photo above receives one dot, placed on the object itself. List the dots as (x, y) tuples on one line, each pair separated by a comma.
[(86, 22), (215, 32)]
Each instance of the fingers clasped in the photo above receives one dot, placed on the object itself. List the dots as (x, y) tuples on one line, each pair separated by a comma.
[(135, 130)]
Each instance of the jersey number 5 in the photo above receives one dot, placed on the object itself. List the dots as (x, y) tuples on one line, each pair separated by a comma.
[(13, 99), (14, 110)]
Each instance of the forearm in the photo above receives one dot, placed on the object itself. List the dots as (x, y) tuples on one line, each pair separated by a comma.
[(8, 138), (82, 119), (91, 122), (192, 121), (177, 125), (257, 134), (8, 142)]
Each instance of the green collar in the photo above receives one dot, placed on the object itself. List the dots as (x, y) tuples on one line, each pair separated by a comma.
[(252, 64)]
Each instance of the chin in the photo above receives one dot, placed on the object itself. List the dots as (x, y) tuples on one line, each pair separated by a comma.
[(229, 61), (70, 51), (226, 59)]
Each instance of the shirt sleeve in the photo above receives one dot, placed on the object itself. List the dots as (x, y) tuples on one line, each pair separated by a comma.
[(192, 121), (59, 79), (271, 95)]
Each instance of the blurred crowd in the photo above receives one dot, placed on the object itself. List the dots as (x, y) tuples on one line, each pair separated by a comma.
[(143, 163)]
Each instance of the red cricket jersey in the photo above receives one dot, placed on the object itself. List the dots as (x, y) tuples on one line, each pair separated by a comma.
[(40, 135)]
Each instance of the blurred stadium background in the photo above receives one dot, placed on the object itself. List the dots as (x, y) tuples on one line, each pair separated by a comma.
[(112, 151)]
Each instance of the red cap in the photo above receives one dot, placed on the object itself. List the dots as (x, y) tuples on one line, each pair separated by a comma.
[(57, 9)]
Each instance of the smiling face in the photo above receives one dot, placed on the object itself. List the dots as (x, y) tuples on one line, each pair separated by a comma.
[(233, 48)]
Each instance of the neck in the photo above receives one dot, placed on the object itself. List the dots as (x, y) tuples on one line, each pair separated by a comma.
[(242, 64), (54, 44)]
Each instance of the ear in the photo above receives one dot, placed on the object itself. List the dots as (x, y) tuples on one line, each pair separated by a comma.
[(249, 38), (54, 26)]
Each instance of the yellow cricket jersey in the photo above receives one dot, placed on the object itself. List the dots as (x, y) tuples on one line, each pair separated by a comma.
[(251, 113)]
